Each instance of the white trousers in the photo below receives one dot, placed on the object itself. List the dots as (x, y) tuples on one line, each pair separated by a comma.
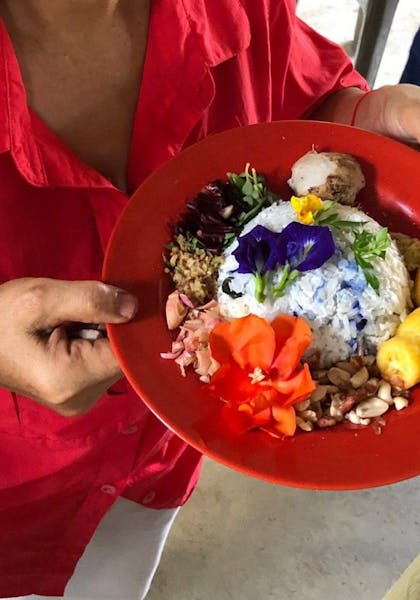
[(122, 557)]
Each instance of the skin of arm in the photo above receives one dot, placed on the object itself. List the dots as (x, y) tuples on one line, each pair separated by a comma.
[(392, 110)]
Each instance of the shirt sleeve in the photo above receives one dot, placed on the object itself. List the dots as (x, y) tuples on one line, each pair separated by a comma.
[(316, 68)]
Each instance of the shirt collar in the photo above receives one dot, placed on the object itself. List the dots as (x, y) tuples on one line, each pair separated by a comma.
[(186, 39), (193, 37)]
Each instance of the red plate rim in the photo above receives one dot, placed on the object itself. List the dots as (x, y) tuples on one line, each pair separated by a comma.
[(394, 444)]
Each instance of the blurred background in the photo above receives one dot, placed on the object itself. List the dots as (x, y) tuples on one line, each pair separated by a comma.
[(339, 20)]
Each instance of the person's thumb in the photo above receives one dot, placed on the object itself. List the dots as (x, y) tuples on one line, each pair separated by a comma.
[(55, 302)]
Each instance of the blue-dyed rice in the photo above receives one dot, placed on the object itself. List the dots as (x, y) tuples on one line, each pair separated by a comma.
[(340, 307)]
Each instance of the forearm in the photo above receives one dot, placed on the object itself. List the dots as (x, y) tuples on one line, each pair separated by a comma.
[(338, 107), (391, 110)]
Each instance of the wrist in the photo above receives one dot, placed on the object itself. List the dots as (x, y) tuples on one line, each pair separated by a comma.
[(339, 106), (355, 115), (370, 109)]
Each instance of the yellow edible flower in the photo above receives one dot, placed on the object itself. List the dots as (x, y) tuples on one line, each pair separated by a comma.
[(305, 207)]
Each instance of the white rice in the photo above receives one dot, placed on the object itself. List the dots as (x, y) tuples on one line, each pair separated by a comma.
[(340, 307)]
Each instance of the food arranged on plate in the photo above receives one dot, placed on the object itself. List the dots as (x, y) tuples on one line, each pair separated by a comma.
[(297, 313)]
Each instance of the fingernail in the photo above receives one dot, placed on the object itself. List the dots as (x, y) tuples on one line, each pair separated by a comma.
[(127, 305)]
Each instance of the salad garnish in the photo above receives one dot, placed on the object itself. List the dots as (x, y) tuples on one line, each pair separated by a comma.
[(367, 247)]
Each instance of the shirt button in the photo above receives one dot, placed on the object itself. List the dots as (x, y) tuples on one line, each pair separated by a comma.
[(108, 489), (149, 497), (130, 430)]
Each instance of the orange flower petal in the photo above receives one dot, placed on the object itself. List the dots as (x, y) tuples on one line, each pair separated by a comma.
[(241, 421), (264, 397), (245, 408), (219, 340), (298, 387), (249, 341), (285, 419), (262, 417), (232, 384), (293, 336)]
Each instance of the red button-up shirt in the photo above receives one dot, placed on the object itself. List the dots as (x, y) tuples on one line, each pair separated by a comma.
[(210, 65)]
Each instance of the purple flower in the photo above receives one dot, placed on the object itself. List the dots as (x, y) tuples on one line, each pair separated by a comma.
[(257, 251), (305, 247)]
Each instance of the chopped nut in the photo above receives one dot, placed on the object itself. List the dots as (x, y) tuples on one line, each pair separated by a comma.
[(352, 390), (316, 406), (339, 377), (400, 402), (326, 422), (372, 385), (360, 378), (309, 415), (319, 393), (303, 405), (374, 407), (348, 403), (384, 392), (353, 418), (320, 375), (304, 425), (347, 366), (357, 360), (335, 408), (193, 270), (369, 360)]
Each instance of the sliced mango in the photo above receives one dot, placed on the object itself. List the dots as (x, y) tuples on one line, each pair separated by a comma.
[(410, 327), (398, 360)]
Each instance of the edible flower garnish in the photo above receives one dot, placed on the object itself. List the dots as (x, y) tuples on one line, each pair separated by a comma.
[(257, 254), (306, 207), (297, 248), (312, 209), (260, 377), (302, 248), (305, 248), (368, 247)]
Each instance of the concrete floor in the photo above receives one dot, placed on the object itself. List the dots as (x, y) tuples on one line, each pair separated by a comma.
[(243, 539)]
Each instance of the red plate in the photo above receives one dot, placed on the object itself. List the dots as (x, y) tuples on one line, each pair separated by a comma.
[(324, 459)]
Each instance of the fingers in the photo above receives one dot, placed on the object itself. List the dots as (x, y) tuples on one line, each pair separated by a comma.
[(38, 358), (90, 368), (47, 303)]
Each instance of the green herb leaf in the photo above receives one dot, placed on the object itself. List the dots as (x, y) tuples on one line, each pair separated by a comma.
[(254, 192), (371, 279), (247, 188), (328, 204), (368, 247), (236, 180), (228, 239)]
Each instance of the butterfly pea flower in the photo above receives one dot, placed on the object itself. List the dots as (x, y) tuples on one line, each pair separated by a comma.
[(301, 248), (257, 253), (305, 248), (305, 207), (297, 248)]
